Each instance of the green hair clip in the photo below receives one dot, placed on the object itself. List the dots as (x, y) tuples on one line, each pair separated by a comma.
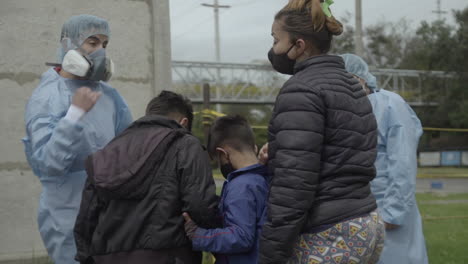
[(326, 7)]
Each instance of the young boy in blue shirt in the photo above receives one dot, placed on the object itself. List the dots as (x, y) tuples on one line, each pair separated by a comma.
[(243, 197)]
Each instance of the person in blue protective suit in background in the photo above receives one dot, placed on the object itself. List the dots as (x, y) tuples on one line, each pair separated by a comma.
[(394, 187), (71, 114)]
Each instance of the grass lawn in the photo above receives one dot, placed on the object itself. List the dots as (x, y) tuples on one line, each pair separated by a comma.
[(446, 236), (422, 197)]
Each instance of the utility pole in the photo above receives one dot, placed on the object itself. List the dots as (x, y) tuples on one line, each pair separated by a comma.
[(359, 44), (216, 6), (439, 11)]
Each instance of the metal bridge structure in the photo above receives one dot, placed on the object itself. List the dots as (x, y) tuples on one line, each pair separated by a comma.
[(259, 83)]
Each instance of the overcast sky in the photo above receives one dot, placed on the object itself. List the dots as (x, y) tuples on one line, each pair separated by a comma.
[(245, 27)]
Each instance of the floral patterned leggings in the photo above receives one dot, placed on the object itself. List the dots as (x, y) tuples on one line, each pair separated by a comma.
[(359, 240)]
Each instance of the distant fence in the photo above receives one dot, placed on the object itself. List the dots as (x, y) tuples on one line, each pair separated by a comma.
[(443, 159)]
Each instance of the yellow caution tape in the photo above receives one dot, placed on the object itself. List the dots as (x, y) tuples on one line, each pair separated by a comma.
[(208, 116), (218, 114), (211, 114), (425, 128)]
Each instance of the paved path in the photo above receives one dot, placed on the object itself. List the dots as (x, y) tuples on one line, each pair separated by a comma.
[(19, 195), (449, 185)]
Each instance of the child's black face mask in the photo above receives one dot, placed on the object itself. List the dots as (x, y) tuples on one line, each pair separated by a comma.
[(226, 169)]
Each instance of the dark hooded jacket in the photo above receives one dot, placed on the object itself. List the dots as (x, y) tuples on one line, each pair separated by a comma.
[(138, 186), (322, 148)]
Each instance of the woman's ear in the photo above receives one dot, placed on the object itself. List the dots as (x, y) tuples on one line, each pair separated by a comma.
[(300, 48)]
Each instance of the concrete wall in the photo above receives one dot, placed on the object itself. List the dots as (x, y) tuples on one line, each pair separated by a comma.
[(29, 36)]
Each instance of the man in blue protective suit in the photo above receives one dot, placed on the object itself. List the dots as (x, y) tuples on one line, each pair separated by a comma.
[(71, 114), (399, 130)]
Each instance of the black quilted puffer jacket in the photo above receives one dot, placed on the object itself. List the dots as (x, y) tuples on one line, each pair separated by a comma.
[(322, 148)]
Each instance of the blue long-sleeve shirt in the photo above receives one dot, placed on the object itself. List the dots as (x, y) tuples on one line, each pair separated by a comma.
[(242, 207)]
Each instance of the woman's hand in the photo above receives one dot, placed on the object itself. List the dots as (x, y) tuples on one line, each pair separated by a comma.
[(263, 154), (389, 226)]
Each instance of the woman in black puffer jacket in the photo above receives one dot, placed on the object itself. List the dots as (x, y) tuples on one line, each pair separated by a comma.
[(322, 148)]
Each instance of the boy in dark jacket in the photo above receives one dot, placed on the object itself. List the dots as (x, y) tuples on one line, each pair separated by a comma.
[(243, 198), (139, 185)]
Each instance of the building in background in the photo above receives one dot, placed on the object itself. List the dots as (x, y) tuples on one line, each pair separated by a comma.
[(29, 37)]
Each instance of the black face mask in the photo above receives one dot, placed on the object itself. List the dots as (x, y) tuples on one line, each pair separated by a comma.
[(281, 62), (226, 169)]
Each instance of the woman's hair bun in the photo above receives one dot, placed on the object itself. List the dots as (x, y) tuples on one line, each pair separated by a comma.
[(318, 16)]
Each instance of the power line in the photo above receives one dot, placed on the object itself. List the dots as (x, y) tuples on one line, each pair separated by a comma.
[(190, 29), (240, 4), (191, 8), (246, 3)]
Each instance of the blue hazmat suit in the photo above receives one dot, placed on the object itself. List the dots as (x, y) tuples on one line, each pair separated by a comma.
[(56, 149), (394, 187)]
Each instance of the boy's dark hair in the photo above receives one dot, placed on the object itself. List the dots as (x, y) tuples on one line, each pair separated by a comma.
[(167, 103), (233, 131)]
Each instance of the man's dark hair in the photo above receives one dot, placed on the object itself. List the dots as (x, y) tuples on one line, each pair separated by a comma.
[(169, 103), (233, 131)]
